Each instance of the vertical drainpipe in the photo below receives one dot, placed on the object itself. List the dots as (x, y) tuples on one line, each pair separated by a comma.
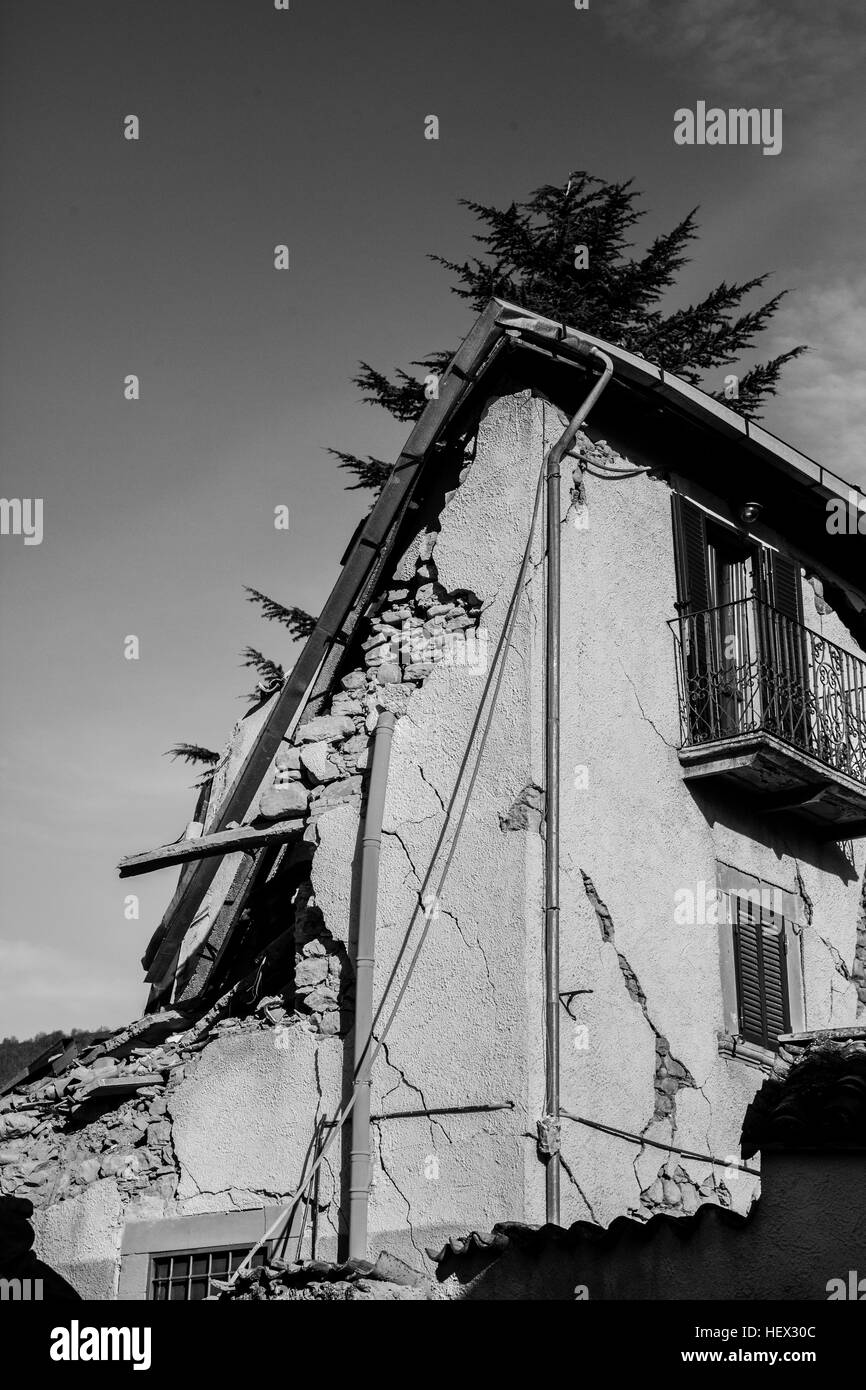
[(359, 1164), (549, 1126)]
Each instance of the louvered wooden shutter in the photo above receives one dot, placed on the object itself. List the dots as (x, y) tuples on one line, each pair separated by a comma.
[(775, 967), (693, 593), (690, 537), (762, 979), (786, 655), (787, 592)]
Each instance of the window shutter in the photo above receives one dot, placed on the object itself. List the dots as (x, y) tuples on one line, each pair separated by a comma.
[(690, 538), (761, 964), (747, 952), (776, 1017), (787, 699), (787, 592)]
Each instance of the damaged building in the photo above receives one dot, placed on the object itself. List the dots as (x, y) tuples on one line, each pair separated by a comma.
[(497, 911)]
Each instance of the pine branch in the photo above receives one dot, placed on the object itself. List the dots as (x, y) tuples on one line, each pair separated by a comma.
[(758, 384), (192, 753), (403, 398), (271, 674), (371, 472), (299, 623)]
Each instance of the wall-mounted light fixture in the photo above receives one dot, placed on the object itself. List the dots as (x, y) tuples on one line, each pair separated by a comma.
[(750, 511)]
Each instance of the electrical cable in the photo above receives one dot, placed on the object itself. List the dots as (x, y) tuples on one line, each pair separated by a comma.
[(655, 1144), (498, 660)]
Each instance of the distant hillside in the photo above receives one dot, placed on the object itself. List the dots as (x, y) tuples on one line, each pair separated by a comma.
[(15, 1053)]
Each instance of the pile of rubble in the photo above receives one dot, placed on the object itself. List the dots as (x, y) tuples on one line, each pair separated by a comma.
[(107, 1114), (386, 1280)]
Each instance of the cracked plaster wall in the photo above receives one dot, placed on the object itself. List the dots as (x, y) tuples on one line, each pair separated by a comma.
[(243, 1118), (80, 1239), (640, 1033), (469, 1024), (639, 835), (643, 998)]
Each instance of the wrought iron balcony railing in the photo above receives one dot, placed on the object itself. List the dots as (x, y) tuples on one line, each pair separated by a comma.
[(745, 668)]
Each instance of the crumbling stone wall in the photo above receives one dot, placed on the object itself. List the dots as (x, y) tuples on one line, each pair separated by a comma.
[(411, 627)]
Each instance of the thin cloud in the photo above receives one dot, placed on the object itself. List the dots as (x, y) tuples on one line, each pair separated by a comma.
[(822, 404), (750, 44)]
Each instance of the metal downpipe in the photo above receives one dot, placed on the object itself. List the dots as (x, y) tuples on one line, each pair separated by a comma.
[(359, 1162), (549, 1129)]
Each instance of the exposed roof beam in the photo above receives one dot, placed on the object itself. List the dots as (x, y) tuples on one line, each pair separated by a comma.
[(243, 837)]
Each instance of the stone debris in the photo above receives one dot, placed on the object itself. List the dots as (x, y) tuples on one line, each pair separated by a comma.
[(282, 802), (677, 1193), (385, 1280), (112, 1117)]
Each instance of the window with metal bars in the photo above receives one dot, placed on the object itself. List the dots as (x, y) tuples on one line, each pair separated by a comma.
[(761, 964), (183, 1276)]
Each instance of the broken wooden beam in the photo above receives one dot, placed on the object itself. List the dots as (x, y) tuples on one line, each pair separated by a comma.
[(241, 837), (114, 1086)]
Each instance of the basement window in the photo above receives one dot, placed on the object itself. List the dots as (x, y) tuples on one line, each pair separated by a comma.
[(183, 1276)]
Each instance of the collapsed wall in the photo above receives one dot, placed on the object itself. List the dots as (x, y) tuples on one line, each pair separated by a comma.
[(167, 1118)]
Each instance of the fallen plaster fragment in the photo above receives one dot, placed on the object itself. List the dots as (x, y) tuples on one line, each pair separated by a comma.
[(525, 813)]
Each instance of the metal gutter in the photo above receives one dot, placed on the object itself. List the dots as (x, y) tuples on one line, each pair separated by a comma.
[(689, 399), (549, 1129), (359, 1161)]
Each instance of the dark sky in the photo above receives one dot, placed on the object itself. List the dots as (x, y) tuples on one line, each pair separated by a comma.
[(155, 257)]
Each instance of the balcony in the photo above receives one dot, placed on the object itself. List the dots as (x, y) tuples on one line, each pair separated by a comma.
[(776, 710)]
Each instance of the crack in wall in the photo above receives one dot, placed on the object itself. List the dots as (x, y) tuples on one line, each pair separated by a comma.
[(835, 955), (581, 1193), (808, 905), (644, 714), (434, 789), (858, 972), (377, 1128), (839, 965), (437, 907), (471, 945), (410, 1085), (670, 1074), (673, 1190)]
